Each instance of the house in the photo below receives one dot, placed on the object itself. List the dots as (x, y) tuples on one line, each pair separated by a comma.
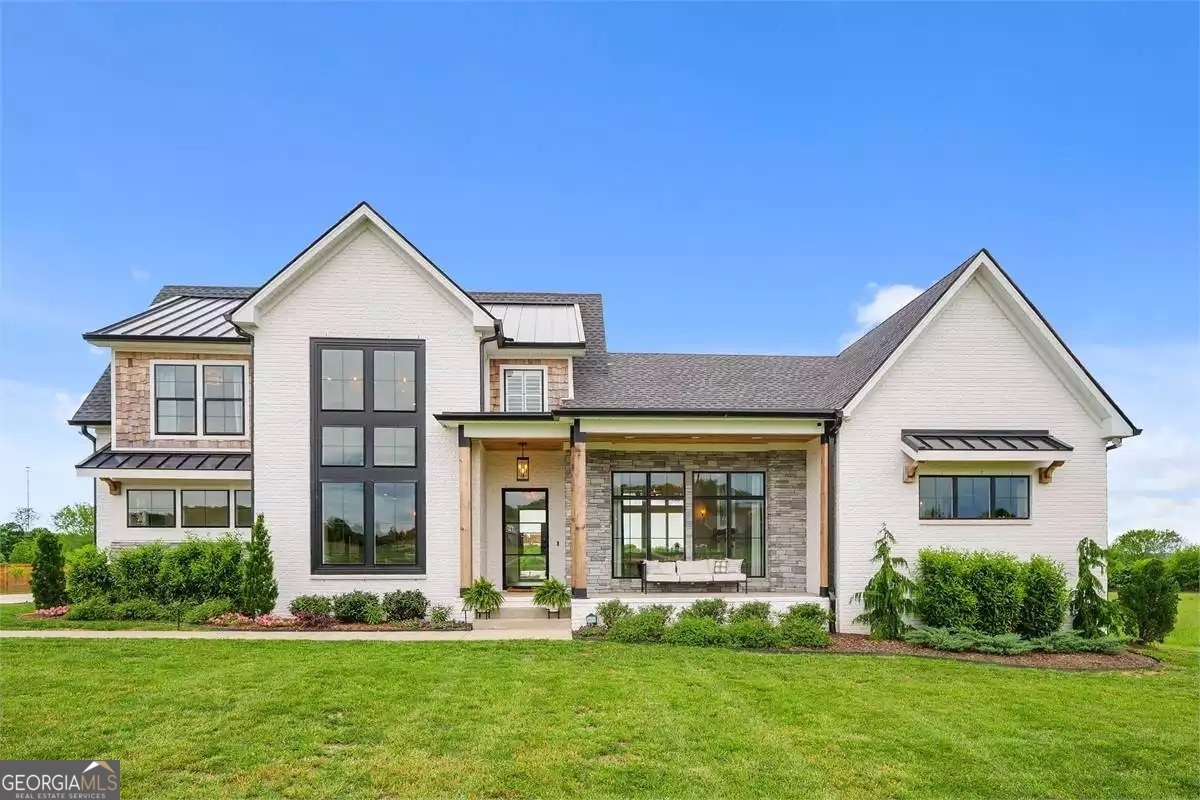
[(399, 431)]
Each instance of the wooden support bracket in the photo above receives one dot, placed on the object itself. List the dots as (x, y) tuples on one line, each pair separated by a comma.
[(114, 486), (1046, 474), (910, 470)]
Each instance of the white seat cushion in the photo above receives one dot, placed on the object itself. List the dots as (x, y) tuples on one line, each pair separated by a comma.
[(728, 577), (661, 572), (694, 570)]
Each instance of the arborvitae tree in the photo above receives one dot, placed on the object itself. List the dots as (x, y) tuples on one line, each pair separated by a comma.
[(888, 596), (259, 589), (49, 582)]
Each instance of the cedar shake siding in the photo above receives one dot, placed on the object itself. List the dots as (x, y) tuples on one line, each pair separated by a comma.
[(557, 378), (133, 392)]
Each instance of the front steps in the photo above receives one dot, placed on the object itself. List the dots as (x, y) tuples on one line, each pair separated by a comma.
[(520, 614)]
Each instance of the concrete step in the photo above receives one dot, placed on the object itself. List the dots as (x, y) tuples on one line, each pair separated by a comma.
[(498, 624), (508, 611)]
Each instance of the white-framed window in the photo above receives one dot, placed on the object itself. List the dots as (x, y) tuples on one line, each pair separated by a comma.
[(523, 389), (204, 399)]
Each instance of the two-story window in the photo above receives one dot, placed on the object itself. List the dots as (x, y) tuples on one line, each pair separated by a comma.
[(368, 403), (524, 389), (974, 497), (216, 406)]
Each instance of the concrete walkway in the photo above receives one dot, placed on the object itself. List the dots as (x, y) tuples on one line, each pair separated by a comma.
[(6, 599), (556, 633)]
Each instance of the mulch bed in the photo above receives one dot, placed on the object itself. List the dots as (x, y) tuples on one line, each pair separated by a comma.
[(857, 643)]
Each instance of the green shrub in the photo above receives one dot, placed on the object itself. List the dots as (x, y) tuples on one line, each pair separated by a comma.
[(887, 598), (957, 640), (312, 610), (257, 589), (135, 571), (89, 575), (1074, 642), (755, 609), (202, 613), (24, 551), (196, 570), (643, 627), (440, 615), (49, 582), (482, 597), (995, 580), (1092, 613), (354, 606), (755, 633), (1151, 597), (661, 610), (696, 632), (714, 608), (966, 640), (1044, 605), (807, 612), (142, 609), (1185, 568), (1009, 644), (374, 615), (612, 610), (943, 599), (803, 631), (93, 608), (401, 605)]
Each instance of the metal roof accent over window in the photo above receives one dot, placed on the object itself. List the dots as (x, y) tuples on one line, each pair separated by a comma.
[(186, 318), (554, 324), (158, 459), (983, 441)]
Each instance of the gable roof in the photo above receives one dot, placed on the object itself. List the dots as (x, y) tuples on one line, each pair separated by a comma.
[(357, 218), (225, 292), (96, 408), (178, 318)]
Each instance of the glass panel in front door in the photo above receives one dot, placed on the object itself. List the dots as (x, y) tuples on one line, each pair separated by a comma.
[(526, 537)]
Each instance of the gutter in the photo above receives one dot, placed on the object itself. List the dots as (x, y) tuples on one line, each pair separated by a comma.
[(85, 433), (829, 414), (497, 337), (830, 437)]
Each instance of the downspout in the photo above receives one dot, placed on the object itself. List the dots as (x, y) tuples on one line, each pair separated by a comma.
[(85, 433), (830, 437), (499, 339)]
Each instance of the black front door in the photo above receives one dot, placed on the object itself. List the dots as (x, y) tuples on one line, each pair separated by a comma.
[(526, 536)]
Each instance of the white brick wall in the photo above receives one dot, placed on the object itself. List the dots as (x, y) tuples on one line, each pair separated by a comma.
[(972, 368), (112, 517), (365, 290)]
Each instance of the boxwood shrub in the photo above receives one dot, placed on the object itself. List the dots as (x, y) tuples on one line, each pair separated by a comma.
[(696, 632), (312, 610), (643, 627), (714, 608), (358, 606), (755, 609), (755, 633), (803, 631), (402, 605)]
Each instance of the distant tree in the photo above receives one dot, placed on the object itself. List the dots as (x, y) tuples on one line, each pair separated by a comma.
[(24, 518), (1185, 568), (77, 519), (1137, 545), (11, 535)]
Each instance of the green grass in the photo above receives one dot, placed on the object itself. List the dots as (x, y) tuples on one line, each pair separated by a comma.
[(10, 619), (273, 719), (1187, 625)]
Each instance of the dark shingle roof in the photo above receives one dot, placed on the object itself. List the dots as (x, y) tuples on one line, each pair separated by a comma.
[(96, 407), (223, 292)]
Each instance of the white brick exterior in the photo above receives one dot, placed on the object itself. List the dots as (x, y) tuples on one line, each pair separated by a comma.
[(112, 514), (971, 368), (364, 290)]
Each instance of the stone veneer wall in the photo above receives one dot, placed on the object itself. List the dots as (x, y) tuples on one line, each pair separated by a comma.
[(558, 383), (134, 393), (786, 511)]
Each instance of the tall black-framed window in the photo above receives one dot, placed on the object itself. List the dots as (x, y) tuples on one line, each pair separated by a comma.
[(204, 508), (224, 400), (368, 464), (973, 497), (729, 518), (243, 508), (150, 508), (647, 519), (175, 399)]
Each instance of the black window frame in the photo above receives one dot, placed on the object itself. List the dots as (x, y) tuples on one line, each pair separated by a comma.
[(618, 538), (228, 508), (237, 505), (368, 474), (954, 479), (129, 523), (728, 498), (205, 400), (195, 400)]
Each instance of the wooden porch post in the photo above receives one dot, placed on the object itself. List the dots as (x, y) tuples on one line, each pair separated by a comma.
[(464, 510), (578, 512), (824, 517)]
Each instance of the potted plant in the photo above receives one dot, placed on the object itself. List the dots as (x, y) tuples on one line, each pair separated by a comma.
[(482, 598), (552, 595)]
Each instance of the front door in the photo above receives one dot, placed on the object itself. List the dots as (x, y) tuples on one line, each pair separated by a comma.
[(526, 536)]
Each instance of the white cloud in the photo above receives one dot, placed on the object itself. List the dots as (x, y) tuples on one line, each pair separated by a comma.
[(885, 301), (140, 275), (34, 434), (98, 352), (1154, 478)]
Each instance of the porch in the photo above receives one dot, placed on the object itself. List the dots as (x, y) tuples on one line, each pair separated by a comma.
[(584, 501)]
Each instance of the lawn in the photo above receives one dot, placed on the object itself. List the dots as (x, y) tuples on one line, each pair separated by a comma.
[(10, 619), (217, 719), (1187, 624)]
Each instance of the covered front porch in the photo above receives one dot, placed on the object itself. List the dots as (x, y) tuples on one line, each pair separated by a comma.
[(587, 500)]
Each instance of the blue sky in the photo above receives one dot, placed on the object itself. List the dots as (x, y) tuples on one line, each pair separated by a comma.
[(737, 178)]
